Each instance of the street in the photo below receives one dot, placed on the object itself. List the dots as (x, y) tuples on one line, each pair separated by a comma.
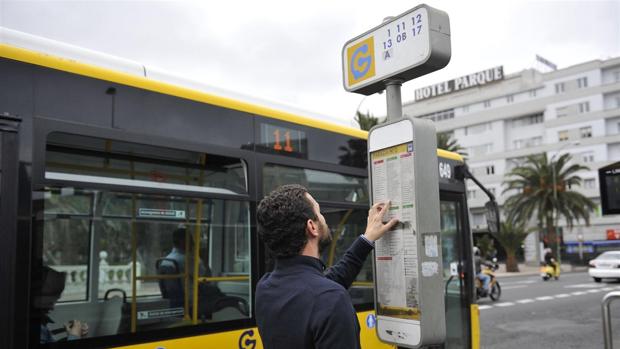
[(532, 313)]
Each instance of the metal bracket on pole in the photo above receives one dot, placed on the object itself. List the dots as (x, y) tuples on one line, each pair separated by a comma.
[(609, 344), (393, 99)]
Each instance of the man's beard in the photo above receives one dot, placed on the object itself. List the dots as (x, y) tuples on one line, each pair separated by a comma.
[(326, 239)]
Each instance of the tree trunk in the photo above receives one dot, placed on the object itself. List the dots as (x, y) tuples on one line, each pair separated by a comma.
[(551, 235), (511, 261)]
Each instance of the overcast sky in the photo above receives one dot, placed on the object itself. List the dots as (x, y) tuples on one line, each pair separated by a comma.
[(290, 51)]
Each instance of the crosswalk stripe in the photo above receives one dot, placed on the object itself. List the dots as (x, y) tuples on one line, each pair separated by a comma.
[(578, 293), (562, 295), (545, 298), (607, 288), (505, 304), (525, 301), (483, 307)]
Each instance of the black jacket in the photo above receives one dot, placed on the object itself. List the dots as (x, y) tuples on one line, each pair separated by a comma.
[(297, 306)]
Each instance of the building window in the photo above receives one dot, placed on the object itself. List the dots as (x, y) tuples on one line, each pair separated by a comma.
[(527, 142), (582, 82), (584, 107), (563, 136), (527, 120), (487, 104), (465, 109), (587, 157), (585, 132), (471, 194), (476, 129), (510, 98), (490, 170), (439, 115), (559, 87), (532, 93), (480, 150), (589, 183), (617, 76)]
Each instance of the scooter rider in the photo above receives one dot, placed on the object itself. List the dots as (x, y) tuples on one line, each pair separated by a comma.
[(484, 278), (550, 259)]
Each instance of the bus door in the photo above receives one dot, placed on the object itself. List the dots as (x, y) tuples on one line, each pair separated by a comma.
[(453, 243), (9, 161)]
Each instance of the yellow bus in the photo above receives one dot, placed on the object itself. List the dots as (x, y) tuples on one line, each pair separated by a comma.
[(103, 160)]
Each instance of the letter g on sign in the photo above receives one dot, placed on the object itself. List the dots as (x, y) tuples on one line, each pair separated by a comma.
[(246, 341)]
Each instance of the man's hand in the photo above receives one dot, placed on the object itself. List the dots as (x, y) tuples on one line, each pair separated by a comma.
[(77, 328), (375, 228)]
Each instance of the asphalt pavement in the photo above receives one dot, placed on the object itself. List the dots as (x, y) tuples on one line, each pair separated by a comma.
[(533, 313)]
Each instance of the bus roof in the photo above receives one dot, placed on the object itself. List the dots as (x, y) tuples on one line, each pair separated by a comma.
[(59, 56)]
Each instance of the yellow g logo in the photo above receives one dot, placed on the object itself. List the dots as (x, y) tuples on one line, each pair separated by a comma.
[(361, 58)]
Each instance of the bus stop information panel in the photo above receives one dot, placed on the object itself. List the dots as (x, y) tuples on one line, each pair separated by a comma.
[(409, 299)]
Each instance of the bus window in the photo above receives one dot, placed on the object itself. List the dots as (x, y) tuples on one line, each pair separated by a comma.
[(346, 225), (66, 243), (324, 186), (127, 258), (97, 160)]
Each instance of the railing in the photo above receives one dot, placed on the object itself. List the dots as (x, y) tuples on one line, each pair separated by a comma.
[(110, 276), (609, 340)]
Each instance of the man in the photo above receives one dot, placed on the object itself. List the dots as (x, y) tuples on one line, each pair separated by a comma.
[(484, 278), (47, 293), (211, 298), (297, 305)]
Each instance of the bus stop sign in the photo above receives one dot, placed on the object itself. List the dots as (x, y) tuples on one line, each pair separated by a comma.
[(405, 47)]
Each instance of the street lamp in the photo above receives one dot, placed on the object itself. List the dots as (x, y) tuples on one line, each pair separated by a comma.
[(555, 198)]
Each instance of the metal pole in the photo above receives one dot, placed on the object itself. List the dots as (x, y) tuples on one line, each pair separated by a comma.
[(607, 335), (393, 99), (555, 217)]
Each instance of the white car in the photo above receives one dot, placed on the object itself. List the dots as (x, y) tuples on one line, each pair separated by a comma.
[(605, 266)]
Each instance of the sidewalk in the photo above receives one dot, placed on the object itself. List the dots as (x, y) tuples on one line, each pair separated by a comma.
[(525, 270)]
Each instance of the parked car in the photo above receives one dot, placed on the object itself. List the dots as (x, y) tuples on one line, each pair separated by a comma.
[(605, 266)]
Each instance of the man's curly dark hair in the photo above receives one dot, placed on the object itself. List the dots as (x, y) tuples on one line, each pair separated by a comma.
[(282, 217)]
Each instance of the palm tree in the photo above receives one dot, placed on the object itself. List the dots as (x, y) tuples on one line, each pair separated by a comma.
[(511, 236), (366, 121), (535, 195), (446, 142)]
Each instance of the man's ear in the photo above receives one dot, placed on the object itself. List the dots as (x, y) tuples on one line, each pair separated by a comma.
[(312, 229)]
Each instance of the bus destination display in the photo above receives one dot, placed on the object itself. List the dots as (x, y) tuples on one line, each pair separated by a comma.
[(396, 253)]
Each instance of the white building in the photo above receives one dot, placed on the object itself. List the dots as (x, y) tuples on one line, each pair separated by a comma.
[(501, 119)]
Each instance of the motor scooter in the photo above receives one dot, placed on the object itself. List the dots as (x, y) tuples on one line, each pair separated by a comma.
[(547, 271), (495, 289)]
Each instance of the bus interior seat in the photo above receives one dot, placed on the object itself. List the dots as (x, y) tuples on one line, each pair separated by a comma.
[(171, 289)]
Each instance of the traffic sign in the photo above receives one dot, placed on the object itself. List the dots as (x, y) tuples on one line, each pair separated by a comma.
[(410, 45)]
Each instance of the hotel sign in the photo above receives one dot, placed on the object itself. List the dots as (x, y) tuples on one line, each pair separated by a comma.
[(464, 82)]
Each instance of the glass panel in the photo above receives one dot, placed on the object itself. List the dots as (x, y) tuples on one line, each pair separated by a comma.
[(347, 225), (98, 160), (66, 240), (324, 186), (456, 315), (160, 231)]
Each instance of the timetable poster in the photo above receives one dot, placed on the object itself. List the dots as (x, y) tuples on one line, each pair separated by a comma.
[(396, 252)]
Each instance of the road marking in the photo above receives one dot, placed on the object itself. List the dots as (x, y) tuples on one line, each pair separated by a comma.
[(607, 288), (520, 282), (562, 295), (583, 286), (525, 301), (483, 307), (513, 287), (593, 291), (578, 293), (545, 298), (505, 304)]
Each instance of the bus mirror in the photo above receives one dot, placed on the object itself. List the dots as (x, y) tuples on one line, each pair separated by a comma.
[(492, 216)]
